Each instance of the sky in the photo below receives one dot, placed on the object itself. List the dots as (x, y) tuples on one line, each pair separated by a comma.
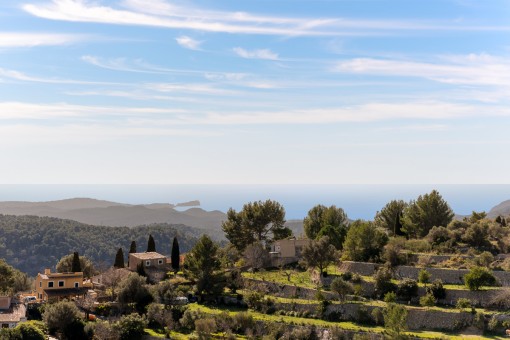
[(254, 92)]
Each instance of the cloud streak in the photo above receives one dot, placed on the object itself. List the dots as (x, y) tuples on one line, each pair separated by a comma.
[(256, 54), (472, 69), (189, 43), (165, 14), (33, 39)]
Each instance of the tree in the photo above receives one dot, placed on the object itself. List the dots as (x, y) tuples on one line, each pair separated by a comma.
[(133, 289), (175, 255), (407, 289), (132, 247), (395, 321), (256, 256), (478, 277), (6, 277), (29, 331), (427, 300), (427, 211), (151, 245), (65, 264), (423, 276), (341, 287), (131, 327), (326, 221), (364, 242), (63, 317), (76, 265), (203, 266), (382, 282), (437, 290), (257, 221), (319, 254), (390, 217), (119, 259)]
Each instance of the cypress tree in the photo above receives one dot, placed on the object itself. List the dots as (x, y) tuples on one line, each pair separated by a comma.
[(151, 245), (76, 266), (119, 259), (132, 248), (175, 255)]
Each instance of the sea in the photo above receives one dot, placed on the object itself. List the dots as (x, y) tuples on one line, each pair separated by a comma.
[(358, 201)]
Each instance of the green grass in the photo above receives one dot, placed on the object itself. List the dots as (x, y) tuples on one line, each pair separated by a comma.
[(345, 325), (301, 279)]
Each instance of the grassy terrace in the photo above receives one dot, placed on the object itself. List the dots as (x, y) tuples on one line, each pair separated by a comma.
[(322, 323)]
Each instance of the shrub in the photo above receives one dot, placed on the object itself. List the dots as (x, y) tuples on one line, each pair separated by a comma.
[(188, 319), (29, 331), (437, 290), (242, 323), (390, 297), (423, 276), (347, 276), (205, 328), (463, 303), (378, 316), (407, 289), (383, 282), (478, 277), (427, 300), (341, 287), (131, 327)]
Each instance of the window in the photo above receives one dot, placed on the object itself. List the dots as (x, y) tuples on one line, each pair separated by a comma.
[(76, 284), (40, 296), (40, 284), (147, 263), (50, 284), (160, 261), (61, 283)]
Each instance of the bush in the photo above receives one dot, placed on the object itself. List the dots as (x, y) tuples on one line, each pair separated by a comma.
[(205, 328), (390, 297), (478, 277), (131, 327), (427, 300), (341, 287), (407, 289), (64, 317), (29, 331), (378, 316), (463, 303), (383, 282), (242, 323), (188, 319), (437, 290), (423, 276), (347, 276)]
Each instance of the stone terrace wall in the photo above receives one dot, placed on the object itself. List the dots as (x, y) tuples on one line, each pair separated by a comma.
[(448, 276)]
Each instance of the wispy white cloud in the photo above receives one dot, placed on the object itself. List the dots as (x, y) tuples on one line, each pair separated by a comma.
[(165, 14), (16, 75), (188, 42), (256, 54), (33, 39), (472, 69)]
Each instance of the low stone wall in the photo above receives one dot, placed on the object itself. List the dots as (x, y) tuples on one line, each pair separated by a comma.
[(448, 276), (283, 290)]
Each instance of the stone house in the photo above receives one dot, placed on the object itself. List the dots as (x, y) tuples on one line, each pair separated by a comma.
[(149, 260), (11, 313), (287, 250)]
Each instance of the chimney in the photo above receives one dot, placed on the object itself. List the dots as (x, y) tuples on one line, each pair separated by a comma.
[(47, 271)]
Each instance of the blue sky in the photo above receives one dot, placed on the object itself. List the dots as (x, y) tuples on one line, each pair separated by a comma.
[(289, 91)]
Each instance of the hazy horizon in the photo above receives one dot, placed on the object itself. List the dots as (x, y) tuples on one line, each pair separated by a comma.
[(359, 201)]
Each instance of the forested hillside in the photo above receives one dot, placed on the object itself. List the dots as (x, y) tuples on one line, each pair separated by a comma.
[(31, 243)]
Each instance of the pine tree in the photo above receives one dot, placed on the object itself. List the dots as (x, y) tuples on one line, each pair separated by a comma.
[(76, 267), (132, 248), (175, 255), (119, 259), (151, 245)]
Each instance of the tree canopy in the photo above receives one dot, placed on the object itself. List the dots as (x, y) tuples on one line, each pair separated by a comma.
[(119, 259), (257, 221), (65, 264), (326, 221), (151, 244), (175, 255), (427, 211), (319, 254), (203, 266), (364, 242), (390, 217)]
